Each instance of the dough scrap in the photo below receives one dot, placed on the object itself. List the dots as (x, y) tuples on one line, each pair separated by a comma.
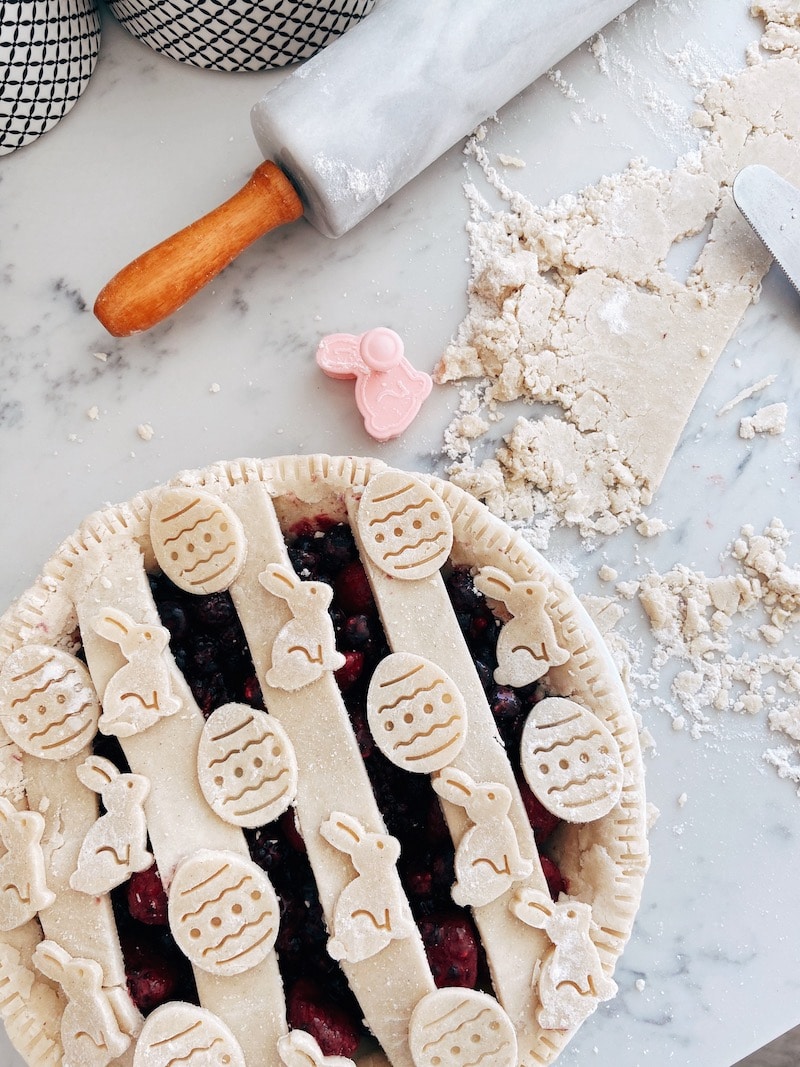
[(574, 305)]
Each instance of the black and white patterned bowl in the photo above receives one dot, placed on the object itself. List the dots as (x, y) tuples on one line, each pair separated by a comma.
[(48, 49), (238, 34)]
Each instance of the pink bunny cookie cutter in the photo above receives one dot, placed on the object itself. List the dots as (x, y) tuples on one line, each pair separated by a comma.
[(389, 391)]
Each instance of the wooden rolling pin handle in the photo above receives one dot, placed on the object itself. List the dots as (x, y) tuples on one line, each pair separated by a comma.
[(162, 280)]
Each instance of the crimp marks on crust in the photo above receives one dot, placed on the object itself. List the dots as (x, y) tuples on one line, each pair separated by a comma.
[(407, 527)]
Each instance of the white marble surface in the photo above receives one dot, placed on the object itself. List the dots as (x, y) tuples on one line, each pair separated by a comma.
[(152, 145)]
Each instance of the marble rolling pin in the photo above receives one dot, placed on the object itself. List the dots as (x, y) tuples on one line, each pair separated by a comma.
[(351, 126)]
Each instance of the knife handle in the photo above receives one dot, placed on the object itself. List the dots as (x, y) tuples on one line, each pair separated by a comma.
[(161, 280)]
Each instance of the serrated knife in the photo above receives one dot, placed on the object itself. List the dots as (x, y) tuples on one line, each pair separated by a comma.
[(772, 207)]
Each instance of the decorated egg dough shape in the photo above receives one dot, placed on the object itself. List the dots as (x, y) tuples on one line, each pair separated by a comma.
[(459, 1027), (405, 527), (246, 765), (197, 539), (48, 703), (223, 912), (416, 713), (178, 1033), (570, 760)]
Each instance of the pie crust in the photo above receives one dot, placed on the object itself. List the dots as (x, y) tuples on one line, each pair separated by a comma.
[(63, 994)]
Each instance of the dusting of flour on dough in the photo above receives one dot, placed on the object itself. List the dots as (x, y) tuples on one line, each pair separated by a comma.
[(573, 305)]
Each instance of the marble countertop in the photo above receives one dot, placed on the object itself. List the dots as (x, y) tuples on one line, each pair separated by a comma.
[(711, 970)]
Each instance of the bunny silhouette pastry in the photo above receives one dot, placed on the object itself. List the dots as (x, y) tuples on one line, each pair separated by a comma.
[(571, 979), (371, 910), (140, 693), (23, 885), (115, 846), (527, 645), (488, 860), (97, 1023), (389, 391), (301, 1049), (305, 647)]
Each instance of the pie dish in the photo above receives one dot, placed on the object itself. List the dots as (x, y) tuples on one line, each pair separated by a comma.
[(309, 760)]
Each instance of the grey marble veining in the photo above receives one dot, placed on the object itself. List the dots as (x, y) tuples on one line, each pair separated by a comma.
[(711, 971)]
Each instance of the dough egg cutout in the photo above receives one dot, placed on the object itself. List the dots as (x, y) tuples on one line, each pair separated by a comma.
[(571, 760), (454, 1027), (197, 539), (246, 765), (223, 911), (48, 703), (179, 1033), (404, 525), (416, 713)]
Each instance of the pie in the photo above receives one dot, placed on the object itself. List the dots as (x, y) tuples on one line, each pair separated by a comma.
[(309, 761)]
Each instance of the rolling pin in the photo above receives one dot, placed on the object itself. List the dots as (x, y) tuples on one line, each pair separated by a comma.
[(352, 125)]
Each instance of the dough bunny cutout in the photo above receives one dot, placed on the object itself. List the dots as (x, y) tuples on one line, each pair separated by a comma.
[(527, 645), (246, 765), (571, 980), (23, 884), (416, 713), (405, 527), (197, 539), (116, 844), (305, 647), (389, 391), (571, 760), (140, 693), (488, 860), (371, 910), (92, 1026), (455, 1027), (300, 1049), (178, 1033), (48, 704)]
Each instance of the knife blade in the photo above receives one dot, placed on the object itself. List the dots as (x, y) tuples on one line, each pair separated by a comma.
[(772, 207)]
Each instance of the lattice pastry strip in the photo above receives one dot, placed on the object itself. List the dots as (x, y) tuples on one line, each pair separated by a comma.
[(179, 820), (317, 723), (194, 783)]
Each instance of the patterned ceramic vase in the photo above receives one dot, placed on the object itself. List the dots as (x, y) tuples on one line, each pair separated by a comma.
[(48, 49), (238, 34)]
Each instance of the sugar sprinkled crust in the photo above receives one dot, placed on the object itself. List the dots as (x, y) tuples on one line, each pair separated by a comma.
[(94, 597)]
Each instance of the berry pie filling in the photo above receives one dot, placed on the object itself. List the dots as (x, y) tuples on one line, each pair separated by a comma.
[(211, 651), (321, 697)]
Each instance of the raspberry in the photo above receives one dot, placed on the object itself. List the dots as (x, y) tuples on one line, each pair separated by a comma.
[(556, 882), (289, 829), (251, 691), (151, 977), (542, 821), (308, 1009), (352, 588), (451, 945), (351, 671), (147, 899)]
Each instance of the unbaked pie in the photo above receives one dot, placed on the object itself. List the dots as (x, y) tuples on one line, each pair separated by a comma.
[(307, 761)]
